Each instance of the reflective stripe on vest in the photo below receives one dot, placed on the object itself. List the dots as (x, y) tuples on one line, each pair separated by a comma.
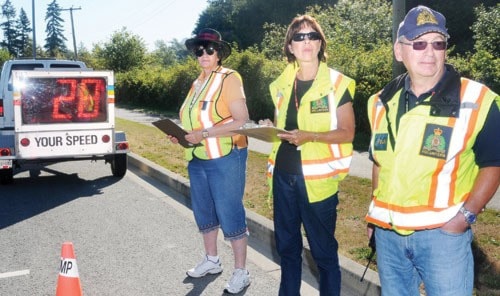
[(206, 117), (440, 206), (337, 163), (212, 144)]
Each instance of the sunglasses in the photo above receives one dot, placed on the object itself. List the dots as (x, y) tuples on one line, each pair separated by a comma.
[(297, 37), (210, 50), (421, 45)]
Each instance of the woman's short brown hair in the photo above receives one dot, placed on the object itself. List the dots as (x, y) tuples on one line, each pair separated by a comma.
[(295, 26)]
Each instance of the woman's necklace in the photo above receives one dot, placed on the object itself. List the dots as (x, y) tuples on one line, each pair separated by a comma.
[(295, 92), (198, 88)]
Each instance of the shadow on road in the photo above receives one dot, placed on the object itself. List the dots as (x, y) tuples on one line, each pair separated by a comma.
[(30, 196)]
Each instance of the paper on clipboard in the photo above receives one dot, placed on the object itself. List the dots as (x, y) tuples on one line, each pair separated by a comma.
[(264, 133), (173, 129)]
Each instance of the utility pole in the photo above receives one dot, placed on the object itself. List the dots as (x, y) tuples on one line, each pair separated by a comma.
[(398, 14), (73, 28), (34, 32)]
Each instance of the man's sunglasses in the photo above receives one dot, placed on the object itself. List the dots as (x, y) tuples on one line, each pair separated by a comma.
[(297, 37), (210, 50), (421, 45)]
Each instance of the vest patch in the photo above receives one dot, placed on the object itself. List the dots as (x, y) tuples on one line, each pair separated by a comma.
[(380, 142), (436, 141), (320, 106)]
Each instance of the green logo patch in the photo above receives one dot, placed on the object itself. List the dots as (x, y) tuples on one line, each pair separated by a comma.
[(436, 141), (320, 106)]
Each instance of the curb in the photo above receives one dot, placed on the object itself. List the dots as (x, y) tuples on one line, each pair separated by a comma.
[(262, 231)]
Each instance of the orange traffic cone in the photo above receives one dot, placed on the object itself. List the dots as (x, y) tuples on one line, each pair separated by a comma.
[(68, 283)]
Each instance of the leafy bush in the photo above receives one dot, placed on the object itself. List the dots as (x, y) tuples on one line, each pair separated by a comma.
[(257, 73)]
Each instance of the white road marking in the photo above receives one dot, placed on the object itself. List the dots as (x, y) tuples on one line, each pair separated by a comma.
[(14, 273)]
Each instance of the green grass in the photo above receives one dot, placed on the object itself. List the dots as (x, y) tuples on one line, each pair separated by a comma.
[(150, 143)]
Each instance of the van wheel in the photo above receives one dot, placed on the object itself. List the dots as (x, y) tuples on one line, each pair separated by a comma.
[(6, 176), (119, 165)]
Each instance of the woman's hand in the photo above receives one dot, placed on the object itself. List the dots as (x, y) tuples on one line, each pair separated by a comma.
[(266, 122), (298, 137), (194, 137), (173, 139)]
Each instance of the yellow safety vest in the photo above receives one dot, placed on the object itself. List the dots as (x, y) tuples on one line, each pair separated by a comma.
[(199, 112), (323, 165), (427, 165)]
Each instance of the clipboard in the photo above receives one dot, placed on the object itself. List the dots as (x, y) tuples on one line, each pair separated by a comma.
[(264, 133), (173, 129)]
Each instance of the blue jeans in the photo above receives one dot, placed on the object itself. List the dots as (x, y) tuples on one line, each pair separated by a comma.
[(442, 261), (291, 210), (217, 188)]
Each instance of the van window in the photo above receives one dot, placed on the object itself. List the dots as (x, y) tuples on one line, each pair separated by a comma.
[(65, 66), (21, 67)]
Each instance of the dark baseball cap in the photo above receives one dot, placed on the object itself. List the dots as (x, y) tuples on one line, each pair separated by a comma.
[(421, 20)]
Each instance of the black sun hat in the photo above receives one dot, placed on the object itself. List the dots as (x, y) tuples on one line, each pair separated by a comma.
[(208, 35)]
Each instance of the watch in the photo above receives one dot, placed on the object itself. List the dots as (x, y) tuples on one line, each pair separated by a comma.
[(470, 217), (204, 134)]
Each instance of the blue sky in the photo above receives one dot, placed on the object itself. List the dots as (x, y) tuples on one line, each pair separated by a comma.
[(97, 20)]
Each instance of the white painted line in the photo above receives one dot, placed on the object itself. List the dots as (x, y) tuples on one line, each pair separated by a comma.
[(14, 273)]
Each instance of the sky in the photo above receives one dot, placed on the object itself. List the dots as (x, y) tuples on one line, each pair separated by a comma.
[(97, 20)]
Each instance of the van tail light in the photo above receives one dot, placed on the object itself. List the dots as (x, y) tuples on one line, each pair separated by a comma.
[(1, 108), (5, 152), (122, 146)]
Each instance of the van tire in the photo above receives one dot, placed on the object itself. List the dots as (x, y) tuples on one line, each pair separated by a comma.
[(119, 165), (6, 176)]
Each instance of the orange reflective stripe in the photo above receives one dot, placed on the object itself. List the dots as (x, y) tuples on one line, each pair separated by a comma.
[(377, 112), (442, 203), (334, 75), (206, 115), (323, 169), (443, 189), (334, 163), (270, 167), (411, 220)]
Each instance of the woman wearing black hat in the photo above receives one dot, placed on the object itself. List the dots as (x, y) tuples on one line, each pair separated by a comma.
[(215, 106)]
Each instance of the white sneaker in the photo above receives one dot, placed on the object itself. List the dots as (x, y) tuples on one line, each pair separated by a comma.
[(205, 267), (238, 281)]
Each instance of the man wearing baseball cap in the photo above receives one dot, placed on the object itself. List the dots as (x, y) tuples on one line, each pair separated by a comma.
[(435, 149)]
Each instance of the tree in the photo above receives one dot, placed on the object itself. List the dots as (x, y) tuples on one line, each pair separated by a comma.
[(9, 28), (217, 16), (4, 55), (23, 39), (54, 43), (242, 21), (164, 54), (486, 59), (487, 29), (123, 52)]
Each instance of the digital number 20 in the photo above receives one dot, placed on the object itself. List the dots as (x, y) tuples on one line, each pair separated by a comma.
[(86, 94)]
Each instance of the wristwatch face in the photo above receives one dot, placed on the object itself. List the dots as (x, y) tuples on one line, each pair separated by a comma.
[(471, 218), (204, 134)]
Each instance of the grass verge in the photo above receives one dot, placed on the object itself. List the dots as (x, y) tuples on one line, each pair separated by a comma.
[(148, 142)]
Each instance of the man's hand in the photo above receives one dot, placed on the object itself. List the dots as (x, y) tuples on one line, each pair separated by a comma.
[(456, 225)]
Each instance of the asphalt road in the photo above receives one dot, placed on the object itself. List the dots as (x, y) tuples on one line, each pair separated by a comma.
[(130, 238)]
